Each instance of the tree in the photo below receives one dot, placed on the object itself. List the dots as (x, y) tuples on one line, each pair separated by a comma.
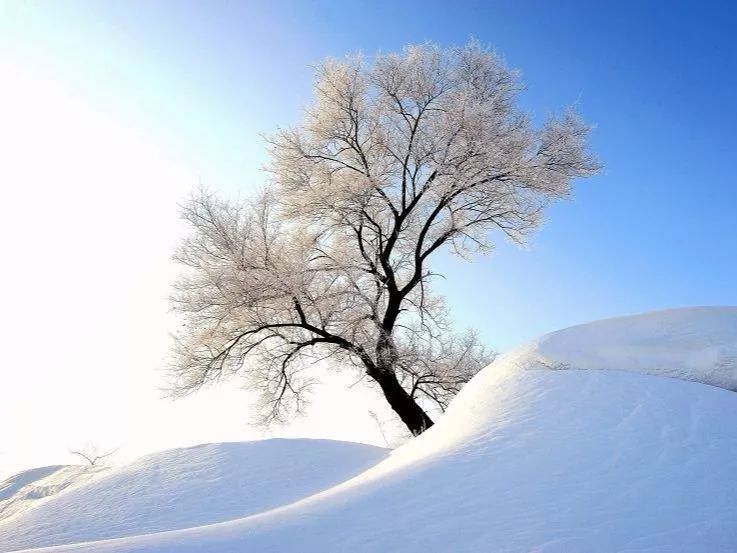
[(92, 455), (395, 160)]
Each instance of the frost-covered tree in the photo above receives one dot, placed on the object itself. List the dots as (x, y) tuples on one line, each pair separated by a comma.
[(397, 158)]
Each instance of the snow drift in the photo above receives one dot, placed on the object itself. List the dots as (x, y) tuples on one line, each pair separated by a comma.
[(186, 487), (33, 487), (539, 453), (698, 344)]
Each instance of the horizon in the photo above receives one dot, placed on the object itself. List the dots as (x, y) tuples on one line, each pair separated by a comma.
[(111, 118)]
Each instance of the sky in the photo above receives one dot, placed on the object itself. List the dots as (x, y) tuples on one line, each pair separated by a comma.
[(112, 112)]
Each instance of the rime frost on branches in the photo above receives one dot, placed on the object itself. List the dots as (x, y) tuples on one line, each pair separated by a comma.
[(396, 158)]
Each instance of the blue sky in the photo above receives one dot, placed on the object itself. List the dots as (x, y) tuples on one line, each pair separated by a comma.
[(656, 229), (111, 111)]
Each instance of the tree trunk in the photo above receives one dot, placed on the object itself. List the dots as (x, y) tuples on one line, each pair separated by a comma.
[(412, 415)]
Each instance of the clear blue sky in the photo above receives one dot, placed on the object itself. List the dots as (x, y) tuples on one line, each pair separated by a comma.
[(659, 80)]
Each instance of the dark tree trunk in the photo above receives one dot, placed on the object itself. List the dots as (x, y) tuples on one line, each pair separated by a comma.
[(381, 370), (412, 415)]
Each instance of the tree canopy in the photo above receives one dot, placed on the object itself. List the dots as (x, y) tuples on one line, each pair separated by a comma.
[(397, 157)]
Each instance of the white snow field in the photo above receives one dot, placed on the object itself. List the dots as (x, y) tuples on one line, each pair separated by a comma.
[(187, 487), (35, 486), (538, 453)]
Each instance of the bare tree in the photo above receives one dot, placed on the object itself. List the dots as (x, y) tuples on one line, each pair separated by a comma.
[(92, 454), (395, 160)]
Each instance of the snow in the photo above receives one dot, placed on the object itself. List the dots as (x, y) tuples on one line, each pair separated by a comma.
[(691, 344), (186, 487), (32, 487), (610, 436), (14, 484)]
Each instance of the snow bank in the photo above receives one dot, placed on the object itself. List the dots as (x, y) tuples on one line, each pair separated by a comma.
[(698, 344), (188, 487), (32, 487), (533, 457), (15, 484)]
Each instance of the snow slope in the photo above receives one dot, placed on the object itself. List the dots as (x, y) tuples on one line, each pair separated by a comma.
[(538, 453), (32, 487), (186, 487), (698, 344)]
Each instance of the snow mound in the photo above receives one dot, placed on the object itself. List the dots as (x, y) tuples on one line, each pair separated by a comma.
[(698, 344), (32, 487), (533, 457), (188, 487), (13, 485)]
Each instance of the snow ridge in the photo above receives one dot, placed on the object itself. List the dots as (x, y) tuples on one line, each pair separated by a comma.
[(697, 344), (33, 487), (185, 487)]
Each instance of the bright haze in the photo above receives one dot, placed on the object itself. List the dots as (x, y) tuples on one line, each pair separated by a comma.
[(112, 113)]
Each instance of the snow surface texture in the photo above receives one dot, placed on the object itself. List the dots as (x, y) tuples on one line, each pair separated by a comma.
[(533, 457), (186, 487), (698, 344), (32, 487)]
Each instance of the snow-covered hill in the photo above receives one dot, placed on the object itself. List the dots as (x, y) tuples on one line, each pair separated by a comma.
[(187, 487), (611, 436), (698, 344), (33, 487)]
